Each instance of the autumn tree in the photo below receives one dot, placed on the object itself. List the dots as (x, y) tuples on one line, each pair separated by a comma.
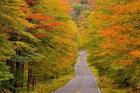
[(38, 41), (115, 40), (13, 26)]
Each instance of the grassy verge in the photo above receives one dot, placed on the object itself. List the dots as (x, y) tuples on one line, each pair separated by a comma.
[(51, 85), (106, 85)]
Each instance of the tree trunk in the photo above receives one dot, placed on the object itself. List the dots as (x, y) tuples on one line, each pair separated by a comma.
[(31, 78), (18, 71)]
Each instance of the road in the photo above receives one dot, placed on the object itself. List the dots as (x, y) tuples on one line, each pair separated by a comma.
[(84, 82)]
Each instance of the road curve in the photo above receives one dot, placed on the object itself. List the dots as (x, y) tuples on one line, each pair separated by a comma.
[(84, 82)]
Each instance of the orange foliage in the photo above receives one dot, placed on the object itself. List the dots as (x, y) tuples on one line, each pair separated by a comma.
[(50, 26), (54, 24), (78, 1), (64, 41), (126, 62), (122, 39), (130, 8), (40, 17), (106, 45), (41, 25), (25, 9), (135, 52), (66, 6), (112, 31), (109, 32)]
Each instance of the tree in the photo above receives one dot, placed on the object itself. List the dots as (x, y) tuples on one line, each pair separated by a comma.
[(37, 37), (115, 40)]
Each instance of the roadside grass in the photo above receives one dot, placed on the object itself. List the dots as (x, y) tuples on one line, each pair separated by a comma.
[(51, 85), (106, 85), (54, 84)]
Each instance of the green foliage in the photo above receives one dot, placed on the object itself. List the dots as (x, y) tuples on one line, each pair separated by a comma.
[(4, 72)]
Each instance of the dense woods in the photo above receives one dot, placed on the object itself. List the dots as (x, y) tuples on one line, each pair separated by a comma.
[(40, 39), (114, 46), (37, 42)]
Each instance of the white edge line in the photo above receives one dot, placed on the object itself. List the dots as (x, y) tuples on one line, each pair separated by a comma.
[(97, 85), (93, 76), (64, 85), (69, 82)]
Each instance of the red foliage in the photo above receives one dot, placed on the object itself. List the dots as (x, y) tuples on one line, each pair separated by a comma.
[(31, 2), (40, 35), (7, 30)]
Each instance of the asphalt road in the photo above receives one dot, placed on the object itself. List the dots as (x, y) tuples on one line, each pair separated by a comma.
[(84, 82)]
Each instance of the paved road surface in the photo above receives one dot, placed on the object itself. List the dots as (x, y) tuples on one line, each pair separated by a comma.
[(84, 82)]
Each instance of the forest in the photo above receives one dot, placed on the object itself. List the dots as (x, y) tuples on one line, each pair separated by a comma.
[(114, 44), (40, 41)]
